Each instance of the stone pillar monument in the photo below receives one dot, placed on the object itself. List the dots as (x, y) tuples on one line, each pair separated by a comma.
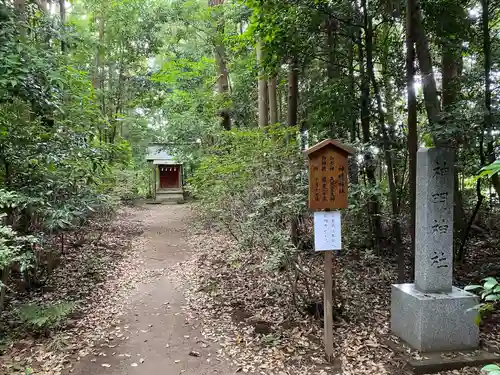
[(431, 314)]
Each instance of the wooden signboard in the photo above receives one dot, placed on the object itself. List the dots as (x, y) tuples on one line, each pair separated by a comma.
[(328, 192), (328, 184)]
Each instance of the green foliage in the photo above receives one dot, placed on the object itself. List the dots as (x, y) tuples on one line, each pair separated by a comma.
[(41, 318), (491, 369), (489, 292), (253, 183), (13, 249), (490, 170), (72, 138)]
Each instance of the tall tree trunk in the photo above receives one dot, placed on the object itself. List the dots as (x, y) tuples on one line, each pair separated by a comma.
[(388, 142), (292, 112), (353, 118), (412, 129), (370, 167), (98, 76), (434, 114), (4, 278), (293, 92), (62, 15), (451, 63), (98, 72), (281, 103), (427, 72), (486, 125), (488, 119), (333, 72), (19, 5), (273, 100), (332, 41), (393, 193), (262, 86), (20, 8), (220, 61), (43, 5)]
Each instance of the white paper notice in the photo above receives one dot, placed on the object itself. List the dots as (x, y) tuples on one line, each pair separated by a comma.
[(327, 233)]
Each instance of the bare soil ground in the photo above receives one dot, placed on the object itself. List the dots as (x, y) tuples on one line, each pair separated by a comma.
[(161, 337)]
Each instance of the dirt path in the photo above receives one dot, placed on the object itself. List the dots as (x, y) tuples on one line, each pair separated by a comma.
[(160, 334)]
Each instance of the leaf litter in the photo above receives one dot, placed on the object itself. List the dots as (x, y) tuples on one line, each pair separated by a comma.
[(100, 277), (229, 299), (233, 299)]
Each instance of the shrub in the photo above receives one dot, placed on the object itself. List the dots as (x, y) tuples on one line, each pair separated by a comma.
[(254, 184), (41, 318)]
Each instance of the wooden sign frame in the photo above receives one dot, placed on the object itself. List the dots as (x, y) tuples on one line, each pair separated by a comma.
[(328, 180)]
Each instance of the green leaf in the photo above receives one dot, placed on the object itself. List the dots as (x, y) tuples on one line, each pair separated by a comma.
[(472, 287), (490, 169), (484, 294), (492, 297), (477, 319), (477, 307), (490, 283), (489, 279), (490, 368)]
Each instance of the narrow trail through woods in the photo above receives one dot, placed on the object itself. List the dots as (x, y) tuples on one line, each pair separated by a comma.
[(162, 339)]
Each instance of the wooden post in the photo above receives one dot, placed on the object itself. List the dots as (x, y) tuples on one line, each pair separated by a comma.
[(328, 306)]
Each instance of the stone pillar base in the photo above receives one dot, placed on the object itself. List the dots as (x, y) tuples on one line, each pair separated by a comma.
[(433, 322)]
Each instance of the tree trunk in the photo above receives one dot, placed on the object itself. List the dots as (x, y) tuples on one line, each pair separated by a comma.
[(451, 62), (20, 8), (333, 72), (412, 130), (425, 62), (293, 92), (393, 193), (293, 99), (385, 128), (332, 41), (62, 14), (370, 167), (273, 100), (488, 119), (4, 273), (433, 107), (262, 94), (98, 72), (20, 5), (44, 6), (353, 123), (220, 61)]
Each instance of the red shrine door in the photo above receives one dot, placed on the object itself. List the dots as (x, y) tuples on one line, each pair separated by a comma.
[(169, 176)]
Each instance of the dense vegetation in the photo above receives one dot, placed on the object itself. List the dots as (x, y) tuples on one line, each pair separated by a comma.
[(341, 70), (72, 139), (238, 89)]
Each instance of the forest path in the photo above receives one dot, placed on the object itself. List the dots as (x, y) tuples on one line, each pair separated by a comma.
[(160, 334)]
